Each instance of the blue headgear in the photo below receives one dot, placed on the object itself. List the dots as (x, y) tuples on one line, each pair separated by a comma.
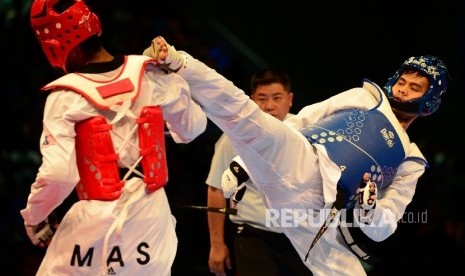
[(437, 75)]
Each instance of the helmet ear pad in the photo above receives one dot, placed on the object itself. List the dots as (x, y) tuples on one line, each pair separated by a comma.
[(60, 26)]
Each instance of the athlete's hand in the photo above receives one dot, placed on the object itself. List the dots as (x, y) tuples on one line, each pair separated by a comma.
[(219, 257), (233, 182), (42, 234), (166, 55), (367, 193)]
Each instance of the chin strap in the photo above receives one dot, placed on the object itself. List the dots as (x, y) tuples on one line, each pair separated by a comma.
[(409, 107)]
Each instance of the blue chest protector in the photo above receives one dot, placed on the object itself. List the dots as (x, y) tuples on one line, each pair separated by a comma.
[(359, 141)]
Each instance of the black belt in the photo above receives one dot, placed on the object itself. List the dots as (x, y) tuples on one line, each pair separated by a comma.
[(356, 240)]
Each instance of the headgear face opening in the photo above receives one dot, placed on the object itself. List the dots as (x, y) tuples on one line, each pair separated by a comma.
[(437, 75), (61, 25)]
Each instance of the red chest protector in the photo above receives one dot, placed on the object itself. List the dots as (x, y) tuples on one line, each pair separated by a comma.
[(95, 154)]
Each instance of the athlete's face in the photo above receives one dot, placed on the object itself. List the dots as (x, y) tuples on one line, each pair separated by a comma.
[(273, 99), (409, 86)]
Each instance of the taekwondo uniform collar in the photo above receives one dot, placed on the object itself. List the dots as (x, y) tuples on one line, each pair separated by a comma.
[(102, 67)]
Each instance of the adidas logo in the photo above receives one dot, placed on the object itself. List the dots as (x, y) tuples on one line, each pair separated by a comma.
[(236, 169), (111, 271)]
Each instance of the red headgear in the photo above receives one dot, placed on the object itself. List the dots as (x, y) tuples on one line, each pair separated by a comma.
[(62, 25)]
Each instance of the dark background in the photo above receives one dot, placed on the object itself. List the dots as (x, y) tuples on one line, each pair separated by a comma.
[(326, 47)]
